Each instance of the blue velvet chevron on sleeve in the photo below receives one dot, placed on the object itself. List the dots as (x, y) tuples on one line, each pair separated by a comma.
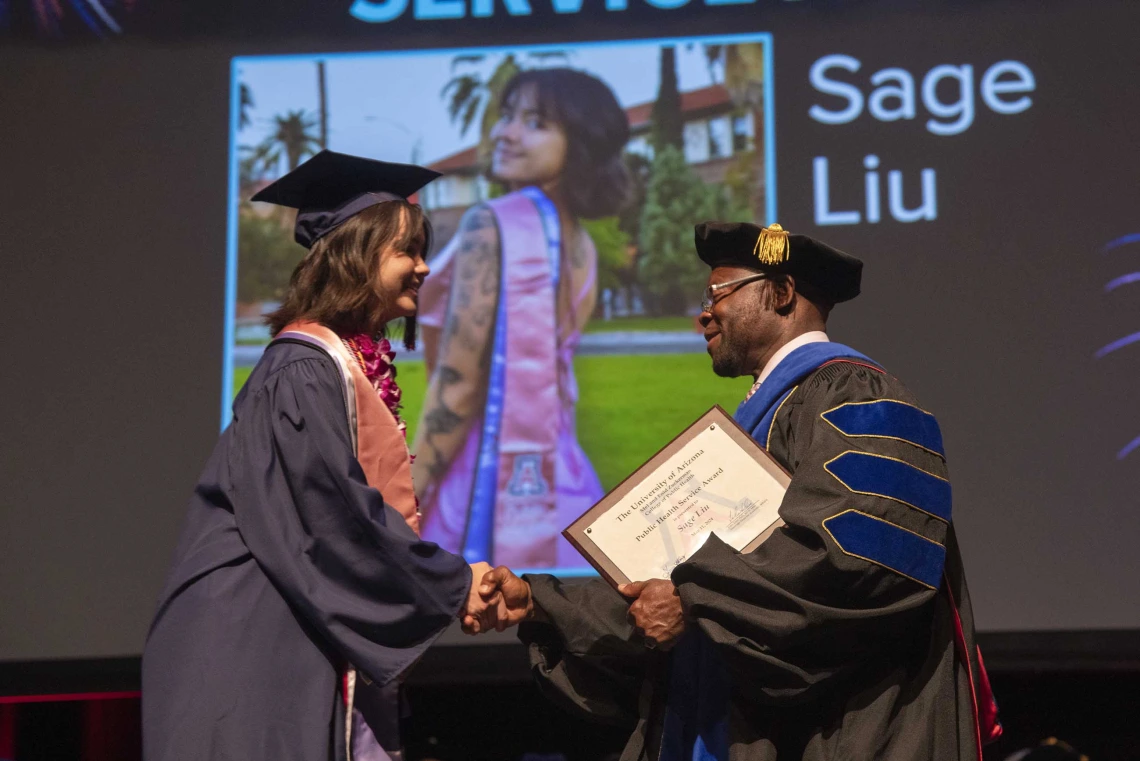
[(888, 545), (882, 476), (888, 419)]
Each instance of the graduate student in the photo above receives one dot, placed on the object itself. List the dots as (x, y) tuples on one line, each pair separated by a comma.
[(848, 633), (301, 593)]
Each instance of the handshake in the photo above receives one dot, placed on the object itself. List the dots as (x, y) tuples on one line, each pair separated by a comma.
[(499, 600)]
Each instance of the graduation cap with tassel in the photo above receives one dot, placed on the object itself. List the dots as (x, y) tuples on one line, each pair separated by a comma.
[(836, 276), (331, 188)]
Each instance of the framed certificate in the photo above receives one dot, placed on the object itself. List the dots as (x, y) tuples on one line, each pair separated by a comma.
[(713, 477)]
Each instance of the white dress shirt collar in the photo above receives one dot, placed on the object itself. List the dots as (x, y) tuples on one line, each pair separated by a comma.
[(811, 337)]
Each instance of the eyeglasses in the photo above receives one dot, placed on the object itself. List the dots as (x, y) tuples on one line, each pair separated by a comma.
[(710, 292)]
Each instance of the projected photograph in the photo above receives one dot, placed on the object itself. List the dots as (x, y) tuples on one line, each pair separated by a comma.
[(590, 162)]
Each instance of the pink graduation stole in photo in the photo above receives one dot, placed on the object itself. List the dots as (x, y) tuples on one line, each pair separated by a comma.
[(513, 517)]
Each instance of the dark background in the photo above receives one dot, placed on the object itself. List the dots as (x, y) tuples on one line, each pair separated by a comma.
[(113, 178)]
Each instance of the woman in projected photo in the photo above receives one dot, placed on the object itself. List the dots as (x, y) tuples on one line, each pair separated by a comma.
[(498, 467)]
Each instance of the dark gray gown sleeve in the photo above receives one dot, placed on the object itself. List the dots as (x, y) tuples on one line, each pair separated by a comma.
[(583, 650), (800, 613), (346, 563)]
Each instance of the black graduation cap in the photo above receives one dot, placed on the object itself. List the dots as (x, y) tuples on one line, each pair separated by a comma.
[(773, 249), (331, 187)]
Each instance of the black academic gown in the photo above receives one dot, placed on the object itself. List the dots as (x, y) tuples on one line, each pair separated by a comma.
[(290, 567), (828, 655)]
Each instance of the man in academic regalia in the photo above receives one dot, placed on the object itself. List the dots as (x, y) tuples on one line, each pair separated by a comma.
[(300, 593), (847, 634)]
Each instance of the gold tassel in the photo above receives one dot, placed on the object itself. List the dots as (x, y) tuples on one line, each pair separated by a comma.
[(772, 247)]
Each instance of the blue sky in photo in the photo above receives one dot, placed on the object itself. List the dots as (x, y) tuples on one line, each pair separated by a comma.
[(389, 106)]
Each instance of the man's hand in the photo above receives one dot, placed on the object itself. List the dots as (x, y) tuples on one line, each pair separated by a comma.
[(509, 598), (478, 614), (656, 611)]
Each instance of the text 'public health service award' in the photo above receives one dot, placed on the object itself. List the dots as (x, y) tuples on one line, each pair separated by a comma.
[(711, 478)]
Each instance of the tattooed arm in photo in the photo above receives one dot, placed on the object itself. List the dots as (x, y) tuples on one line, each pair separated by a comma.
[(457, 387)]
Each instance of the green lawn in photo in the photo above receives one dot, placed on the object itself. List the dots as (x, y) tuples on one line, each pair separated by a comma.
[(412, 382), (629, 407), (241, 375)]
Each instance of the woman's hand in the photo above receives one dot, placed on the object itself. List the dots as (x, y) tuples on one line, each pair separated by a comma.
[(478, 614), (510, 595)]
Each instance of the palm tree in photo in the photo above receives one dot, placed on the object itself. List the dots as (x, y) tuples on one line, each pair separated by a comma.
[(292, 138), (322, 91), (245, 103), (469, 96), (742, 71), (667, 121), (713, 53)]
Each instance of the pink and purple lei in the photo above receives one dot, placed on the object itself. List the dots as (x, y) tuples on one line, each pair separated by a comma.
[(376, 358)]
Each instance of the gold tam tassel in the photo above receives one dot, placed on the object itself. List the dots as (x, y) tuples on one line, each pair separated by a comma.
[(772, 247)]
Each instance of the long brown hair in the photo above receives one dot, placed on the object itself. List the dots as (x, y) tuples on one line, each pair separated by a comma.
[(595, 179), (335, 284)]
